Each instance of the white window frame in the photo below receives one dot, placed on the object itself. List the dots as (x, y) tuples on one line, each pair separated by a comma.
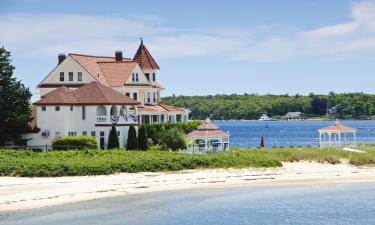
[(71, 73), (79, 76)]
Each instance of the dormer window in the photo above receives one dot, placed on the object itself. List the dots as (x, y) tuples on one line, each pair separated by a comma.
[(61, 76), (153, 77), (147, 76), (70, 76), (135, 77)]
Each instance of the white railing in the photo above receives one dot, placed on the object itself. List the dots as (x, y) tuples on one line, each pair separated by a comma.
[(197, 149), (101, 119)]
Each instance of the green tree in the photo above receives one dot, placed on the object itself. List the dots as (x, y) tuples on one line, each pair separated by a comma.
[(172, 139), (132, 143), (15, 112), (142, 138), (113, 141)]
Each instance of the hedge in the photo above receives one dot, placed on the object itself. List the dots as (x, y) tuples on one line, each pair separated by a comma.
[(74, 142)]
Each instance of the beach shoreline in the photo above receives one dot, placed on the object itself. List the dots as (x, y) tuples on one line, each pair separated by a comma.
[(21, 193)]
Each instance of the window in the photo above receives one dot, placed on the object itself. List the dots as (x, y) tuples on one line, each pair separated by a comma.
[(101, 133), (72, 133), (57, 134), (71, 108), (57, 108), (93, 134), (84, 133), (118, 133), (127, 94), (79, 78), (153, 77), (135, 77), (70, 76), (154, 97), (44, 108), (61, 76), (149, 97), (83, 112), (147, 76), (135, 96)]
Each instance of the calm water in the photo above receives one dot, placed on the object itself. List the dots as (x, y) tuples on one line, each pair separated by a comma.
[(282, 133), (317, 204)]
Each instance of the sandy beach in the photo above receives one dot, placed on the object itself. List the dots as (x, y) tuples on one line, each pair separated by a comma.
[(25, 193)]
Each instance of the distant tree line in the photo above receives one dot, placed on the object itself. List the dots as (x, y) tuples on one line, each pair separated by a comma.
[(252, 106)]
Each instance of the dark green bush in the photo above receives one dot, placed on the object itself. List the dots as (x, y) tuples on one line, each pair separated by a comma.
[(154, 130), (74, 142), (142, 138), (113, 141), (132, 139), (172, 139)]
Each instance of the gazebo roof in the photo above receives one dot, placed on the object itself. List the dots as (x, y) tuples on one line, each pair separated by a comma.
[(208, 129), (207, 125), (337, 127)]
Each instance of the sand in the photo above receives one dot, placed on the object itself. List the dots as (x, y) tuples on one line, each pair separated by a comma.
[(26, 193)]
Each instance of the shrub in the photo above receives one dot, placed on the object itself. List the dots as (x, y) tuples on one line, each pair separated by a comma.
[(173, 139), (142, 138), (113, 141), (74, 142), (155, 130), (132, 139)]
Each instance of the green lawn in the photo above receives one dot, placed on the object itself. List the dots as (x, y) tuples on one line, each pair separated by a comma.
[(96, 162)]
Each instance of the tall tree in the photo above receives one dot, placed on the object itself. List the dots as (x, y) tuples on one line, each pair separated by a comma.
[(142, 138), (132, 139), (113, 141), (15, 113)]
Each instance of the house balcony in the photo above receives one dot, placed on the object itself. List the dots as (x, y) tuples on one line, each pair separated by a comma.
[(102, 119), (120, 120)]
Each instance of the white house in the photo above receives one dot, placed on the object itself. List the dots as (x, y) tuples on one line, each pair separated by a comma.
[(88, 110), (136, 78), (86, 95)]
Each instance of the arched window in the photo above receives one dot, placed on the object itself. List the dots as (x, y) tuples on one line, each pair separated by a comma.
[(123, 111), (101, 111), (113, 110)]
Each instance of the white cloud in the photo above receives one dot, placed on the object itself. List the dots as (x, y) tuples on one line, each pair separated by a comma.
[(49, 34)]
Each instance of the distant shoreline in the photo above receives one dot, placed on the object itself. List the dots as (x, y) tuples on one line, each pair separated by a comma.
[(27, 193)]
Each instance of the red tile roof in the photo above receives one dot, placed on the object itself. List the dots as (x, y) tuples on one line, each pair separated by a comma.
[(338, 127), (90, 63), (116, 73), (144, 58), (208, 129), (92, 93), (161, 108), (208, 133)]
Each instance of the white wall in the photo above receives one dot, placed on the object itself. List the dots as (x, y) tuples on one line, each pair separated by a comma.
[(65, 121)]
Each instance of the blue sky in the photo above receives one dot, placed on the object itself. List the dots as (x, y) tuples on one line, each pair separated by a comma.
[(205, 47)]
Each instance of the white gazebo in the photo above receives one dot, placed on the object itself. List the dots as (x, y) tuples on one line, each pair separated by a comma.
[(337, 135), (208, 138)]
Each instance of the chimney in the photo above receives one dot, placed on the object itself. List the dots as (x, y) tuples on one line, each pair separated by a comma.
[(118, 55), (61, 58)]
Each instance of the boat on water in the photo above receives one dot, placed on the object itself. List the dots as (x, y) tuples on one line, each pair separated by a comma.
[(264, 117)]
